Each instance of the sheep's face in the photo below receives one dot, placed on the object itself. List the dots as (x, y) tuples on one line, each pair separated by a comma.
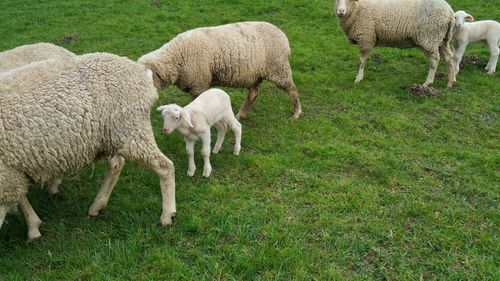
[(342, 7), (461, 17), (172, 115)]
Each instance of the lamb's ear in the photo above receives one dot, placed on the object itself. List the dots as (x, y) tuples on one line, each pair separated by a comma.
[(160, 108), (186, 117), (469, 18)]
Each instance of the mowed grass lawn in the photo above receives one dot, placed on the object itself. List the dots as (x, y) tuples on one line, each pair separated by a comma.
[(370, 183)]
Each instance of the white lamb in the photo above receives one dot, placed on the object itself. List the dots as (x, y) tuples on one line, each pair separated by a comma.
[(487, 31), (195, 120)]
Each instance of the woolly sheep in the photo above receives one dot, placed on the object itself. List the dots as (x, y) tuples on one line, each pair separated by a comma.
[(195, 120), (235, 55), (426, 24), (92, 106), (487, 31), (20, 56)]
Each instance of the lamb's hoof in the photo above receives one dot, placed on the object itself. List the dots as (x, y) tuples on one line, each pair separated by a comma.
[(206, 173), (215, 151), (190, 174), (236, 152)]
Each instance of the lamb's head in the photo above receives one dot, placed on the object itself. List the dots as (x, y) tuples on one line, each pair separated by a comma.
[(344, 7), (173, 117), (461, 17)]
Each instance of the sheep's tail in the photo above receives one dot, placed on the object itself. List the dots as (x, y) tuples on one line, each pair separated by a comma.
[(449, 33)]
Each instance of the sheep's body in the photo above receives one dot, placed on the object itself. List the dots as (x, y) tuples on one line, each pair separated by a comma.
[(426, 24), (212, 107), (85, 108), (20, 56), (235, 55), (487, 31)]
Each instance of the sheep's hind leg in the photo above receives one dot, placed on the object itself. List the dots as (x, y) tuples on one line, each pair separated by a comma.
[(494, 53), (221, 133), (434, 61), (146, 152), (190, 153), (253, 92), (115, 166), (363, 57), (283, 79), (32, 220), (447, 55)]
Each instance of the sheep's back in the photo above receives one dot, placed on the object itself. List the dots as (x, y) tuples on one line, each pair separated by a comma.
[(26, 54)]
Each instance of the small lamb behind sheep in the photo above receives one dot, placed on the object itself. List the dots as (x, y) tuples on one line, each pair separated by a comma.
[(487, 31), (194, 122), (426, 24), (235, 55)]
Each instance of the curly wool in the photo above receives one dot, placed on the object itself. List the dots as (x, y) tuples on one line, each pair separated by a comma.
[(26, 54), (401, 23), (81, 109)]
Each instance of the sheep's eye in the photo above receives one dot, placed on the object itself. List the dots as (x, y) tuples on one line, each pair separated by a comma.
[(176, 118)]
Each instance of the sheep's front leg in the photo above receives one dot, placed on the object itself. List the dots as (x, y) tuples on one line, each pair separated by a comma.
[(115, 166), (32, 220), (190, 153), (458, 53), (221, 133), (494, 53), (205, 152), (363, 57), (434, 61)]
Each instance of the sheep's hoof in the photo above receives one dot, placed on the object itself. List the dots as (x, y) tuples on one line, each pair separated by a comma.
[(215, 151), (93, 214), (236, 152), (240, 116), (296, 115), (166, 220), (33, 236), (491, 72), (358, 80), (190, 174)]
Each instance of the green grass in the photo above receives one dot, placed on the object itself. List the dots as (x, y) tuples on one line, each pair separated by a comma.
[(371, 183)]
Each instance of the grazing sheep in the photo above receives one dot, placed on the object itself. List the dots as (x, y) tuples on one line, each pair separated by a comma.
[(234, 55), (487, 31), (194, 122), (92, 106), (426, 24), (26, 54)]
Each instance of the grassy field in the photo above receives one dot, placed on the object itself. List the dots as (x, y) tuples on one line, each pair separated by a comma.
[(371, 183)]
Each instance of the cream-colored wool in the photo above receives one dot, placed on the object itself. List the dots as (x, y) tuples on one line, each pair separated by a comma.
[(26, 54), (235, 55), (426, 24), (78, 111)]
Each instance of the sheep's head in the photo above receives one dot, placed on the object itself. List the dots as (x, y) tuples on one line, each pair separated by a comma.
[(461, 17), (172, 116), (343, 7)]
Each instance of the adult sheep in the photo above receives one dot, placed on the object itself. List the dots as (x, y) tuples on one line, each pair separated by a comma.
[(426, 24), (26, 54), (80, 110), (234, 55)]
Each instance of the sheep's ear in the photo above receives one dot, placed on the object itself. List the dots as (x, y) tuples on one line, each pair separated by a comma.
[(186, 117), (160, 108), (469, 18)]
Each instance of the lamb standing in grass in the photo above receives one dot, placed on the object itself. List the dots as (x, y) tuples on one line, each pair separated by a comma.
[(234, 55), (487, 31), (195, 120), (93, 106), (426, 24)]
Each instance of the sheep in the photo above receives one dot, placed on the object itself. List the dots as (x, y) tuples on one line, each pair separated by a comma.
[(426, 24), (235, 55), (195, 120), (20, 56), (80, 110), (487, 31), (14, 60)]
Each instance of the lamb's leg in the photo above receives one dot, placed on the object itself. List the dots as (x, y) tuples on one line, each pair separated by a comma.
[(363, 57), (205, 152), (54, 186), (447, 55), (253, 92), (190, 153), (146, 152), (221, 133), (3, 213), (434, 61), (494, 53), (32, 220), (115, 166), (236, 128), (458, 53)]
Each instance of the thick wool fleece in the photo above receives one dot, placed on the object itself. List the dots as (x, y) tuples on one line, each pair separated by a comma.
[(399, 23), (26, 54)]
